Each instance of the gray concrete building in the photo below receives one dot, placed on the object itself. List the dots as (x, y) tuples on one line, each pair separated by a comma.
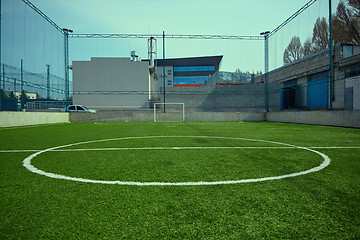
[(110, 83)]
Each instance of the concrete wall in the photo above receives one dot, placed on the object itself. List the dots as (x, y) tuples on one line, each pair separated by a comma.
[(8, 119), (108, 75), (236, 98), (148, 116), (330, 118)]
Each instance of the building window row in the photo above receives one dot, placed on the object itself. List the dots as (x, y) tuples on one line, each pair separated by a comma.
[(188, 80), (194, 68)]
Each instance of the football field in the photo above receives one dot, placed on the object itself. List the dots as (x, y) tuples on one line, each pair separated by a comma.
[(190, 180)]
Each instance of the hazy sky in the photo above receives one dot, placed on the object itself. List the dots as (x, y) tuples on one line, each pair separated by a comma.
[(235, 17), (222, 17)]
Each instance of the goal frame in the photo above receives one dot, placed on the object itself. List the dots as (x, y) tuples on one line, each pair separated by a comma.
[(182, 104)]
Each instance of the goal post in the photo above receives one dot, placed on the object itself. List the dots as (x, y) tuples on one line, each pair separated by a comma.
[(175, 112)]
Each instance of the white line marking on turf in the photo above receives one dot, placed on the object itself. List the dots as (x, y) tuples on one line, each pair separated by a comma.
[(18, 151), (162, 148), (27, 164)]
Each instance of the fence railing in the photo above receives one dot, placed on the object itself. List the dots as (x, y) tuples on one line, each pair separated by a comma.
[(46, 106)]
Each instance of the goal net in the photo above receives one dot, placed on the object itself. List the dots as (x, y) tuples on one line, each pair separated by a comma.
[(169, 112)]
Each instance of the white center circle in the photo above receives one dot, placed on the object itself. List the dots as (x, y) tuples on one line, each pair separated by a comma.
[(27, 164)]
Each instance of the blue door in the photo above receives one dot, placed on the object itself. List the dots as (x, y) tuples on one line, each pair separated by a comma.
[(318, 91)]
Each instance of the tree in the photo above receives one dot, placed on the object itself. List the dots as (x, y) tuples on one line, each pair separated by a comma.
[(356, 5), (12, 96), (308, 47), (320, 37), (346, 22), (294, 51)]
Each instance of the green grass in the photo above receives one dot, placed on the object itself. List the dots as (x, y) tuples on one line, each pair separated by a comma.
[(319, 205)]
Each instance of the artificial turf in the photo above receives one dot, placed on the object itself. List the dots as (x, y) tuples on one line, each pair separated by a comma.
[(319, 205)]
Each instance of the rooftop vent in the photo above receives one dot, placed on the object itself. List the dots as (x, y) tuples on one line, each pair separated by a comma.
[(135, 56)]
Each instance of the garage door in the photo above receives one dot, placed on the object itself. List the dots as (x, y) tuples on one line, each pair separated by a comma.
[(317, 91)]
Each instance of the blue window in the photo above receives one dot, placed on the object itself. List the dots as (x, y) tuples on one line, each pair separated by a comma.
[(188, 80), (194, 69)]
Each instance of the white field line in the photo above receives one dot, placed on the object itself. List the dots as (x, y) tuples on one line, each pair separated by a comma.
[(27, 164), (164, 148)]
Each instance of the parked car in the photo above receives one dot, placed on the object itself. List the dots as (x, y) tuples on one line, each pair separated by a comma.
[(77, 108)]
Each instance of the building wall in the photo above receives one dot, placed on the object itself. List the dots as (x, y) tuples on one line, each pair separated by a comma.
[(354, 83), (169, 76), (186, 72), (248, 97), (110, 75), (318, 63)]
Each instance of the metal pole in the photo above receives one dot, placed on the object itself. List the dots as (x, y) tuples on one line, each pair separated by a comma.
[(66, 51), (164, 67), (48, 81), (1, 74), (22, 86), (266, 35), (330, 57), (2, 91)]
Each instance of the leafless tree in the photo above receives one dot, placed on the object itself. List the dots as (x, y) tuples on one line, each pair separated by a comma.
[(308, 47), (320, 37), (294, 51), (346, 22)]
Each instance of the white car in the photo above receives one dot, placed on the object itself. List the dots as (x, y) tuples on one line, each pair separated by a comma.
[(77, 108)]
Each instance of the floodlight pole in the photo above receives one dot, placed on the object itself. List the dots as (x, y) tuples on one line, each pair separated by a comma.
[(331, 60), (266, 38)]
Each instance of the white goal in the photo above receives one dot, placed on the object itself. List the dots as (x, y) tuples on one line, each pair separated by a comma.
[(169, 112)]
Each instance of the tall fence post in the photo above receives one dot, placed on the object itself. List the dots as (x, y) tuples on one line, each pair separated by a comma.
[(266, 38), (3, 85), (48, 81), (2, 91), (164, 67), (331, 82), (22, 86), (1, 74), (66, 51)]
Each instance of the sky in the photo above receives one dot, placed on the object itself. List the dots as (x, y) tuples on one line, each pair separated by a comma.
[(215, 17), (172, 16)]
